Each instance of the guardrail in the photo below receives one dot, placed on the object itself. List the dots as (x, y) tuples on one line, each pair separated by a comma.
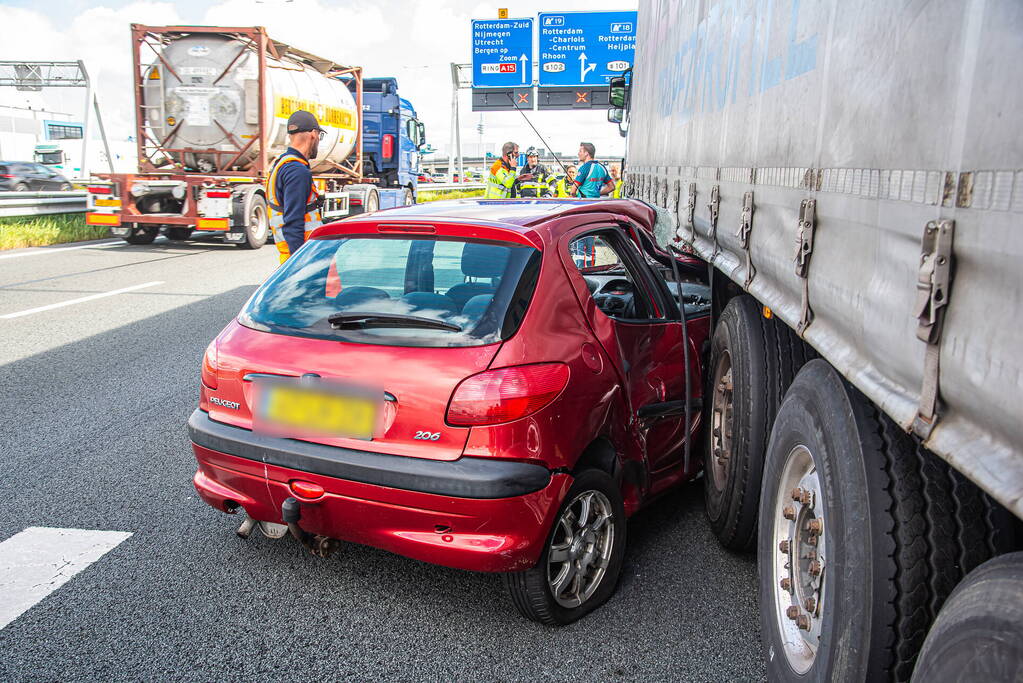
[(41, 203), (442, 187)]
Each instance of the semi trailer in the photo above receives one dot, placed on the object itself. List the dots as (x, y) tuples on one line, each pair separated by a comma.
[(852, 175), (211, 107)]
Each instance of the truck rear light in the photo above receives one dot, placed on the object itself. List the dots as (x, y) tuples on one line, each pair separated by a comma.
[(387, 149), (209, 366), (218, 194), (99, 189), (506, 394)]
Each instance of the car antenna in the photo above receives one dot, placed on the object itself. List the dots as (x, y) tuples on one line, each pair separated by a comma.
[(545, 143)]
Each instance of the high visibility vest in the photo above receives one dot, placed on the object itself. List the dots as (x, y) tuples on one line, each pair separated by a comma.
[(536, 187), (499, 182), (312, 210), (561, 188), (617, 194)]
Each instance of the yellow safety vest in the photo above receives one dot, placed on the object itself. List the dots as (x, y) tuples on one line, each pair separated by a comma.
[(499, 183), (561, 188), (312, 210), (617, 194)]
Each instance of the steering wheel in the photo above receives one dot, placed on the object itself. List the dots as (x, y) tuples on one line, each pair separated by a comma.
[(615, 298)]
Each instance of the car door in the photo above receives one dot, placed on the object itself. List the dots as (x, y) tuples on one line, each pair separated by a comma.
[(49, 180), (631, 323)]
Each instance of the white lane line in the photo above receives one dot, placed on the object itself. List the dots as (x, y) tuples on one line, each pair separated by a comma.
[(105, 244), (39, 560), (50, 307)]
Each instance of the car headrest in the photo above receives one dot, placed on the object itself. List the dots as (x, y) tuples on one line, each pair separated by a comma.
[(354, 296), (484, 260), (428, 301), (475, 307)]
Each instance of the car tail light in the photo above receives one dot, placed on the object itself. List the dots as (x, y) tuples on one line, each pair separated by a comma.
[(306, 489), (388, 146), (209, 366), (506, 394), (6, 175)]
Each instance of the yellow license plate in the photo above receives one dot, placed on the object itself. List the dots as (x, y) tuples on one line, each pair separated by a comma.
[(102, 219), (320, 412), (106, 202)]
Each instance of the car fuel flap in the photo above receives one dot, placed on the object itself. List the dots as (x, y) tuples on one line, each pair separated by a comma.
[(418, 380)]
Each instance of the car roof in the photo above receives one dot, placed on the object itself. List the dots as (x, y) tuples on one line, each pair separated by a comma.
[(516, 215)]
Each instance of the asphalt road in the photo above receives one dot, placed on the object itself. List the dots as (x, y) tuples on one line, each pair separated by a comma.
[(94, 396)]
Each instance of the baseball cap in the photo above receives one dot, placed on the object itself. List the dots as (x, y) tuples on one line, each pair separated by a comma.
[(302, 121)]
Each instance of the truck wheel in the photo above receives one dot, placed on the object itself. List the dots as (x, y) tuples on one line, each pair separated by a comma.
[(582, 559), (144, 235), (257, 221), (978, 635), (752, 362), (862, 535), (371, 203), (178, 234)]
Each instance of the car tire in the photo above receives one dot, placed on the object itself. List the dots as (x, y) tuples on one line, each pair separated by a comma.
[(66, 187), (978, 635), (536, 593), (753, 360), (257, 221), (21, 187), (853, 597), (142, 235), (178, 234)]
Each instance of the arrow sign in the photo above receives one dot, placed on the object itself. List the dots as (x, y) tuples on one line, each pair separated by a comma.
[(523, 60), (603, 42), (583, 69), (495, 44)]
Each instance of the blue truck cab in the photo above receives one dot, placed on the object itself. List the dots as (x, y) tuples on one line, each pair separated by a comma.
[(391, 135)]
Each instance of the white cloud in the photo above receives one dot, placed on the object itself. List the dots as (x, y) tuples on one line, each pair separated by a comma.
[(413, 41)]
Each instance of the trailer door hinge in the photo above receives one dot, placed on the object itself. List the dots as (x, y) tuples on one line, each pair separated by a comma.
[(676, 202), (714, 206), (804, 235), (745, 228), (691, 208), (933, 283)]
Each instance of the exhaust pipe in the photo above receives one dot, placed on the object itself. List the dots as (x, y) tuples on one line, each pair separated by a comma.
[(320, 546)]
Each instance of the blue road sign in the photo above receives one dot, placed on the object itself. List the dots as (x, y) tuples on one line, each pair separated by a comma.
[(502, 53), (585, 48)]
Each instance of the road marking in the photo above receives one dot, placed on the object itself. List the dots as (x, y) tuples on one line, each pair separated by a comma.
[(39, 560), (105, 244), (50, 307)]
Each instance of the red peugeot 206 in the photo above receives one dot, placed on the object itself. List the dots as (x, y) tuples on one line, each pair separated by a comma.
[(488, 385)]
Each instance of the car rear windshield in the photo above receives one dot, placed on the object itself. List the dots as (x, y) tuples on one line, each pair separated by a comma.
[(398, 292)]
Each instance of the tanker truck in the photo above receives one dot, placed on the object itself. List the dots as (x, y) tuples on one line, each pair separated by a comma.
[(852, 176), (211, 109)]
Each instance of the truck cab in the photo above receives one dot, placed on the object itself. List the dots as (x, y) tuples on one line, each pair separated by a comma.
[(391, 134)]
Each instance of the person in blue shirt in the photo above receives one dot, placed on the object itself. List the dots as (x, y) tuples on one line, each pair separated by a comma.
[(592, 181), (290, 192)]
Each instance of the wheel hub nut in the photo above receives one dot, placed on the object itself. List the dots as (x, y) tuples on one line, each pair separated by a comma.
[(792, 612), (814, 526), (803, 622), (789, 512), (815, 568), (810, 604), (796, 493), (784, 546), (806, 497), (786, 584)]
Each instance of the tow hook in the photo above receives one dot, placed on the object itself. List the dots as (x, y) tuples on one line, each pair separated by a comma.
[(321, 546)]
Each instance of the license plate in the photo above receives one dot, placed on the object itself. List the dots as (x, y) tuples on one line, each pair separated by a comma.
[(106, 202), (298, 411)]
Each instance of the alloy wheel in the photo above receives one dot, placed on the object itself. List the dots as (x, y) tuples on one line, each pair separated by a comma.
[(581, 548)]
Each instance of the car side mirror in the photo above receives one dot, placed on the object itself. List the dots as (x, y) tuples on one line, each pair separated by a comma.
[(615, 115), (422, 135)]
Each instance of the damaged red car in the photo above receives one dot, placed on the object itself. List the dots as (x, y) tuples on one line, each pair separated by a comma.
[(488, 385)]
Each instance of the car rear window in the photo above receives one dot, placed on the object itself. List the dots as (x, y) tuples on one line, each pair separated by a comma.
[(382, 290)]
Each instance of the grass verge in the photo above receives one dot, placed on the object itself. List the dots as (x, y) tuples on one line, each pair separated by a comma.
[(436, 195), (40, 231)]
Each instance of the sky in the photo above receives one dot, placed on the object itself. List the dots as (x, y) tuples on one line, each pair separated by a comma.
[(415, 41)]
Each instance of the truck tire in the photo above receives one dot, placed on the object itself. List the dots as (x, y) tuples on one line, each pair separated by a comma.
[(257, 220), (752, 362), (978, 635), (371, 201), (178, 234), (862, 536), (535, 591), (144, 235)]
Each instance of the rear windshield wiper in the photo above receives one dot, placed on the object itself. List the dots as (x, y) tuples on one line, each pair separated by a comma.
[(355, 321)]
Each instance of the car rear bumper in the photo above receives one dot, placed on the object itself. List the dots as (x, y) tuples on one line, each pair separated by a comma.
[(413, 513)]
